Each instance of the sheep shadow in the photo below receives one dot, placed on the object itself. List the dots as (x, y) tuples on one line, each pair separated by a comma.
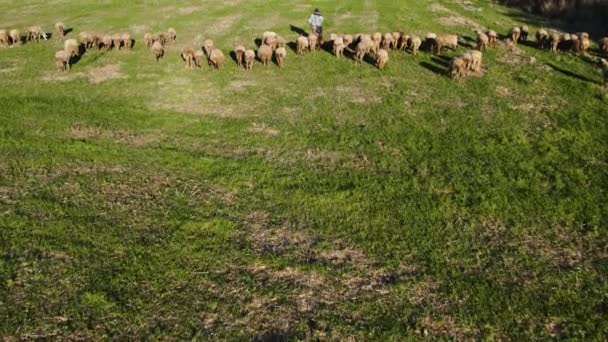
[(369, 59), (328, 47), (68, 30), (82, 50), (434, 68), (468, 42), (257, 42), (234, 57), (300, 31), (572, 74), (441, 60), (293, 46)]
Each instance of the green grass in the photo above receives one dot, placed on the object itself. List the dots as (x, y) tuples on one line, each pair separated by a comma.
[(324, 199)]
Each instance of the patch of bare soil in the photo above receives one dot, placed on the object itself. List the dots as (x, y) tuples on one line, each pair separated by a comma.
[(264, 129), (105, 73)]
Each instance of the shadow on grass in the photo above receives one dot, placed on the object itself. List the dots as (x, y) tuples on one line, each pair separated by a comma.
[(572, 74), (434, 68), (298, 30)]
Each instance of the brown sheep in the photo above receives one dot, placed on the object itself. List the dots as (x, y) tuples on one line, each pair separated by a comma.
[(249, 59), (216, 58), (208, 46), (198, 58), (525, 32), (457, 68), (34, 33), (14, 37), (338, 46), (86, 39), (116, 40), (158, 50), (127, 41), (376, 40), (271, 41), (514, 34), (172, 34), (447, 41), (362, 49), (413, 44), (492, 38), (387, 41), (603, 45), (280, 55), (482, 41), (148, 39), (584, 45), (313, 42), (3, 38), (71, 47), (396, 38), (301, 44), (161, 37), (106, 41), (265, 54), (281, 42), (476, 61), (402, 41), (239, 53), (604, 65), (187, 55), (348, 40), (554, 41), (97, 40), (542, 38), (381, 58), (59, 30), (62, 60)]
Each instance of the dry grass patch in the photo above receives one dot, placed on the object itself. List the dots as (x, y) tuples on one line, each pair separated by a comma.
[(264, 129), (105, 73)]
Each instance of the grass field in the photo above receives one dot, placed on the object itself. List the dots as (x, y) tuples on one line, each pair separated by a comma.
[(325, 200)]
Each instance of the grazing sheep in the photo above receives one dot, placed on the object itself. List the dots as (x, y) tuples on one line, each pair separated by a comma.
[(59, 30), (413, 44), (249, 59), (604, 65), (396, 38), (554, 41), (216, 58), (348, 40), (265, 54), (106, 41), (574, 45), (161, 37), (97, 40), (387, 41), (208, 46), (127, 42), (239, 53), (148, 40), (457, 68), (338, 46), (198, 58), (584, 45), (281, 42), (482, 41), (402, 41), (15, 37), (3, 38), (381, 58), (271, 41), (492, 37), (187, 55), (448, 41), (376, 40), (34, 33), (542, 38), (172, 34), (116, 40), (514, 34), (268, 34), (301, 44), (476, 60), (603, 45), (313, 42), (363, 48), (280, 55), (62, 60), (71, 47), (468, 60), (525, 32), (158, 50), (86, 39)]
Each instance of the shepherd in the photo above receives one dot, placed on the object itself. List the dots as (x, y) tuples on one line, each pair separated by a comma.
[(316, 24)]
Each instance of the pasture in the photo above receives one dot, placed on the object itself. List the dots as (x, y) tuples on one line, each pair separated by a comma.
[(144, 200)]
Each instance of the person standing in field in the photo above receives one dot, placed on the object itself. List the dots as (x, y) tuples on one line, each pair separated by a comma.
[(316, 24)]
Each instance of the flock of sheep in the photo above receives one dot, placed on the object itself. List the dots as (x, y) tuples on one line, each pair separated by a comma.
[(272, 45)]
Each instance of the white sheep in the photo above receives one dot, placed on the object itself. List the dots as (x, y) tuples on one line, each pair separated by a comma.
[(158, 50), (265, 54), (301, 44), (413, 44), (249, 59), (542, 38), (71, 47), (239, 53), (3, 38), (216, 58), (59, 30), (381, 58), (338, 46), (62, 60), (14, 37), (280, 55)]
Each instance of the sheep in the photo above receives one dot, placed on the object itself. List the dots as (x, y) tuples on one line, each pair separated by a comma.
[(280, 55), (208, 46), (148, 40), (482, 41), (265, 54), (348, 40), (574, 45), (249, 59), (127, 42), (59, 30), (71, 47), (525, 31), (313, 42), (396, 38), (554, 41), (514, 34), (363, 47), (97, 40), (492, 38), (402, 41), (187, 55), (338, 46), (172, 34), (239, 53), (381, 58), (86, 39), (583, 45), (62, 60), (387, 41), (15, 37), (106, 41), (268, 34), (542, 38), (116, 40), (468, 61), (476, 60), (413, 44), (34, 33), (448, 41), (161, 37), (198, 57), (271, 41), (603, 45), (376, 40), (457, 67), (281, 42), (301, 44), (604, 65), (3, 38), (158, 50), (216, 58)]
